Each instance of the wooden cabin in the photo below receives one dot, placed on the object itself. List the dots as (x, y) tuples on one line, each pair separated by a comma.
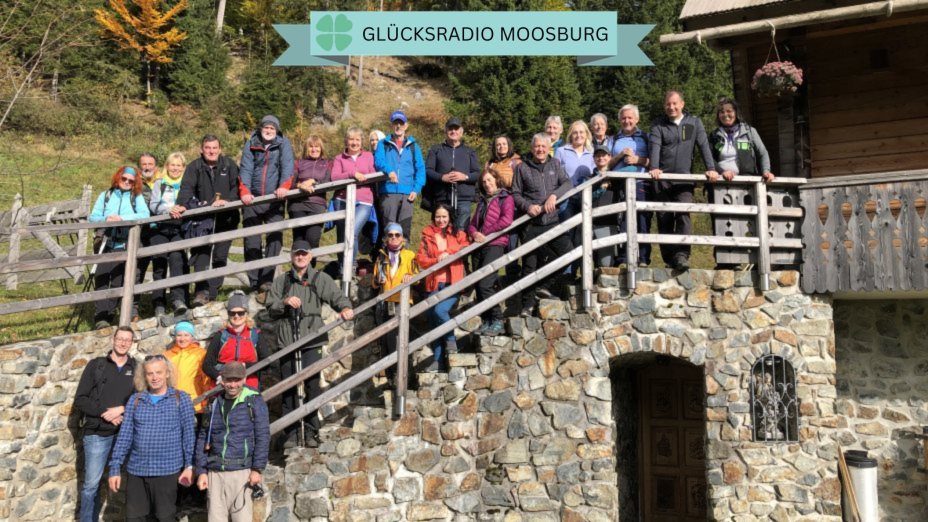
[(856, 127)]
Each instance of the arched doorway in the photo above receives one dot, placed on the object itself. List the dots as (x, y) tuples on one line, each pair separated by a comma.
[(659, 408)]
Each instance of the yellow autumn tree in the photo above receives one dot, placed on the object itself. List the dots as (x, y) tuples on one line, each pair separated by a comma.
[(145, 28)]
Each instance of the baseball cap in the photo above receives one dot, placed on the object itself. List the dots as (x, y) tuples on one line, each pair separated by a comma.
[(398, 115)]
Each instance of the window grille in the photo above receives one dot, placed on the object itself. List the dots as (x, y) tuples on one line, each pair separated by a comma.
[(774, 407)]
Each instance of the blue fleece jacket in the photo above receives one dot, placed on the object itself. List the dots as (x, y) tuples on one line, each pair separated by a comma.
[(409, 166)]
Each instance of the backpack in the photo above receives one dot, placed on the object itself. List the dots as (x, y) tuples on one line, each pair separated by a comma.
[(208, 420), (100, 234), (253, 334)]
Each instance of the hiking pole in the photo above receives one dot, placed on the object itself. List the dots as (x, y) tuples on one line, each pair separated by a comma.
[(298, 361), (93, 270)]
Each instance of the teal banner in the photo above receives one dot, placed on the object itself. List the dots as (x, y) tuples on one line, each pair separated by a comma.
[(592, 36)]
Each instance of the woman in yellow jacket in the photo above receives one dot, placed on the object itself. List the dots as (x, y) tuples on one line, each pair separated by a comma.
[(187, 357), (395, 265)]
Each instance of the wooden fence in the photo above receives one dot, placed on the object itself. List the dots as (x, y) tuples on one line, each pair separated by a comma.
[(866, 233)]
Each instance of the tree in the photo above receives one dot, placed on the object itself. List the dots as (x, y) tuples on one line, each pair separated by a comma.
[(198, 72), (145, 31)]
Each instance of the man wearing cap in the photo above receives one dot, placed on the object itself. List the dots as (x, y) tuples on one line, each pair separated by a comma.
[(105, 386), (232, 448), (296, 300), (400, 158), (266, 168), (211, 179), (453, 170)]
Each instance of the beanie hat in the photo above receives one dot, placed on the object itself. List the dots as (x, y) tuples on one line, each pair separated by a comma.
[(394, 227), (237, 300), (184, 326), (270, 119)]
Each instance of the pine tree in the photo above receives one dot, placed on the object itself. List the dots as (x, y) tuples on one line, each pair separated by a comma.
[(198, 72), (146, 30)]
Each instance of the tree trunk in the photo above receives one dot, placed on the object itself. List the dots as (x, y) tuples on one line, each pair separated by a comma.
[(220, 17), (147, 82), (360, 70)]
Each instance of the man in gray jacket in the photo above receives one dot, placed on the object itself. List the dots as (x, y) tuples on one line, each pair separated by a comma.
[(266, 168), (295, 300), (672, 141), (536, 185)]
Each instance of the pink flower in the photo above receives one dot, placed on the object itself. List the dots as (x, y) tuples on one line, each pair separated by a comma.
[(776, 78)]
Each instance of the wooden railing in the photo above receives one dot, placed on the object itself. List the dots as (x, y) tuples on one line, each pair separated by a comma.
[(866, 233), (399, 325)]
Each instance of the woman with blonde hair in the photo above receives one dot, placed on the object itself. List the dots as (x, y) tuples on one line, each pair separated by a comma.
[(163, 198), (312, 169)]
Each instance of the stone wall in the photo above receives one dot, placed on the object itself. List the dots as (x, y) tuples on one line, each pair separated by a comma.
[(882, 388), (524, 429), (524, 426)]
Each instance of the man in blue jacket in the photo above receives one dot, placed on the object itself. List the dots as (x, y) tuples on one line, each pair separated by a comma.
[(232, 448), (400, 158), (453, 169), (266, 168)]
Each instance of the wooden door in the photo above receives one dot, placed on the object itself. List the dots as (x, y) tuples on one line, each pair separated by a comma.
[(672, 444)]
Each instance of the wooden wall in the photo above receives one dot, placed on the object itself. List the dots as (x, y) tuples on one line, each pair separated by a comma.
[(868, 100)]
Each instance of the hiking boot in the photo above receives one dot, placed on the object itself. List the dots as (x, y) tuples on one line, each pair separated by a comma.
[(101, 324), (543, 293), (180, 307), (201, 299), (681, 263), (159, 310), (261, 293), (527, 311), (451, 347), (495, 327), (433, 367)]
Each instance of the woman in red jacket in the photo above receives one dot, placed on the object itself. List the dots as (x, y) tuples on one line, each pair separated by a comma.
[(440, 240), (237, 341)]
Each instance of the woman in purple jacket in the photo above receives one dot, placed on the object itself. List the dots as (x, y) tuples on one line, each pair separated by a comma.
[(354, 163), (495, 210), (312, 169)]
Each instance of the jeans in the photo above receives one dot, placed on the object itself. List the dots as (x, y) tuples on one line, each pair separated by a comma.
[(439, 315), (362, 213), (96, 454)]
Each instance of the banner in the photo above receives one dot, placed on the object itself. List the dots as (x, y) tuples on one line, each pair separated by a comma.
[(592, 36)]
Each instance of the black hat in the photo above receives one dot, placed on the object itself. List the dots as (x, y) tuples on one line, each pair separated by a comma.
[(601, 148), (453, 122), (300, 245)]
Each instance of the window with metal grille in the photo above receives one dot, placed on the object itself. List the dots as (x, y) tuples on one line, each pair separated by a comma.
[(774, 407)]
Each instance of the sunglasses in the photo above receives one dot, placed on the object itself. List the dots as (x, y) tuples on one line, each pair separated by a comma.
[(301, 253), (126, 179), (394, 234), (158, 357), (237, 313)]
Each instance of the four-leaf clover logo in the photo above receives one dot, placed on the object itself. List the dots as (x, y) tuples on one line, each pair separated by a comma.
[(332, 32)]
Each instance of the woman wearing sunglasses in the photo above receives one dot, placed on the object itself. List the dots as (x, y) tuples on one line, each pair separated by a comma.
[(123, 201), (238, 340)]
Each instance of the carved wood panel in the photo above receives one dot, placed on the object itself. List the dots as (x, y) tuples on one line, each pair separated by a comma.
[(673, 443), (744, 226)]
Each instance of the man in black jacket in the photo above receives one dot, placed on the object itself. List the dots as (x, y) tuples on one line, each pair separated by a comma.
[(211, 179), (536, 185), (104, 388), (673, 140), (453, 170)]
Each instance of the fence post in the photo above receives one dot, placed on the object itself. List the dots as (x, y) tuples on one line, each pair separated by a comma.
[(83, 212), (631, 233), (128, 279), (763, 236), (402, 353), (17, 221), (351, 197), (586, 230)]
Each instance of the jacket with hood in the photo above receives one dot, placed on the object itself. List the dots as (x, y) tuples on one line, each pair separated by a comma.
[(534, 182), (313, 289), (238, 438), (265, 167), (188, 367), (442, 159), (493, 214), (409, 166), (672, 145), (428, 256)]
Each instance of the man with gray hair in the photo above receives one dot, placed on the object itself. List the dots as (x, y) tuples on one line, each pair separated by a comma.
[(553, 128), (673, 139), (599, 128), (536, 185), (630, 154)]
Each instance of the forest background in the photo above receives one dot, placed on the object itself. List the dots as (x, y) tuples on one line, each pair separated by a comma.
[(87, 86)]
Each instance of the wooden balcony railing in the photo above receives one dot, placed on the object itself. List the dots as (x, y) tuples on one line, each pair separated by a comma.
[(865, 233)]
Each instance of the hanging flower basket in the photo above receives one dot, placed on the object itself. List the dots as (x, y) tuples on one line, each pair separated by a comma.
[(777, 79)]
